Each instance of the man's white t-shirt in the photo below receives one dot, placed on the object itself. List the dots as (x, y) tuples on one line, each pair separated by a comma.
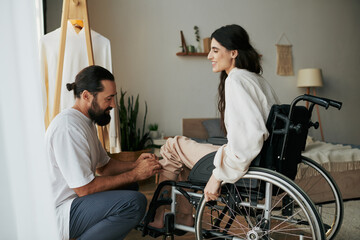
[(74, 152)]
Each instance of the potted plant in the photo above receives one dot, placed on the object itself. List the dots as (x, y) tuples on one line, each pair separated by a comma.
[(153, 128), (133, 141), (197, 37)]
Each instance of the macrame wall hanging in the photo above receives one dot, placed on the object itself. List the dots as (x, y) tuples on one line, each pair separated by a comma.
[(284, 65)]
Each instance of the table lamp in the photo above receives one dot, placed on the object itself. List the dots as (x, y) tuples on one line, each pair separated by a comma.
[(311, 78)]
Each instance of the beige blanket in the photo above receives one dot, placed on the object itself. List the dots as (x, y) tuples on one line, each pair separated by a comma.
[(334, 157)]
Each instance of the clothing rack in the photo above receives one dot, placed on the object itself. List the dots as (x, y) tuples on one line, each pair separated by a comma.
[(73, 10)]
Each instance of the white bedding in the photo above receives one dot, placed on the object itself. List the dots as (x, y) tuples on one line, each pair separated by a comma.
[(334, 157)]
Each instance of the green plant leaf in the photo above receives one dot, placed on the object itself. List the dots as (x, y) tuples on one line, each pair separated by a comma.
[(131, 137)]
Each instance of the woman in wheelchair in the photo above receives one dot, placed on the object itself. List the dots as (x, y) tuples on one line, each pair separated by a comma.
[(244, 101)]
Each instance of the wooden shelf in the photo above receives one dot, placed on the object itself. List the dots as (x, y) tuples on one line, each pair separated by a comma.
[(191, 54)]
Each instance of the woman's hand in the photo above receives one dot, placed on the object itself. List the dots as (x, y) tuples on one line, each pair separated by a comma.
[(212, 189)]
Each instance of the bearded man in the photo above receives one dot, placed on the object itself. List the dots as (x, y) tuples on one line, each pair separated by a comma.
[(85, 180)]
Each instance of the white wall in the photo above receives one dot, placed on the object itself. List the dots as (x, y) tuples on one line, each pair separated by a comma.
[(145, 35)]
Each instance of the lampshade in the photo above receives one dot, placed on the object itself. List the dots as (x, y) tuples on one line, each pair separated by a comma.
[(309, 77)]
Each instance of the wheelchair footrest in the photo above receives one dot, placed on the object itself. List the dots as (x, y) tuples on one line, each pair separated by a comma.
[(167, 230)]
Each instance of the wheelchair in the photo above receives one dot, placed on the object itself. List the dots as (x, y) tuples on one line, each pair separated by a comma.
[(271, 201)]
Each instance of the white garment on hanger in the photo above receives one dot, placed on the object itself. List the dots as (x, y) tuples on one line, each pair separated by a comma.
[(75, 59)]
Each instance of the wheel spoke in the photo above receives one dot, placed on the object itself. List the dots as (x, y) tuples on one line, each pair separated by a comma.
[(257, 212)]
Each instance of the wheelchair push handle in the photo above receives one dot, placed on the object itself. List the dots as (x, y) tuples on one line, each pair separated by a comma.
[(324, 102), (316, 100), (333, 103)]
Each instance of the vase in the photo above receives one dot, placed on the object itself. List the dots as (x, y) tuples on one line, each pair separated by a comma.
[(154, 134), (191, 48), (207, 44), (198, 49)]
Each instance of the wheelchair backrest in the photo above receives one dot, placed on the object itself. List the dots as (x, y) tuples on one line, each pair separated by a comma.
[(282, 150), (275, 147)]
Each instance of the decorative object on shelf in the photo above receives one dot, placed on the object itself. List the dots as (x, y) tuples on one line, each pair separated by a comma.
[(197, 37), (131, 137), (311, 78), (284, 58), (191, 49), (183, 43), (207, 45), (185, 49), (153, 128)]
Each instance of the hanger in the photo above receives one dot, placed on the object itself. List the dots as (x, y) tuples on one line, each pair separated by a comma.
[(77, 24)]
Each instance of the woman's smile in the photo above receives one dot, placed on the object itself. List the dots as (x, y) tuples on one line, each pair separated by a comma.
[(221, 58)]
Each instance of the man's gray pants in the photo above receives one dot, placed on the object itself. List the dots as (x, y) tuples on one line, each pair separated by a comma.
[(106, 215)]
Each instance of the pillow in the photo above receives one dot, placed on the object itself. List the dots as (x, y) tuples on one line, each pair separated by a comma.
[(213, 128)]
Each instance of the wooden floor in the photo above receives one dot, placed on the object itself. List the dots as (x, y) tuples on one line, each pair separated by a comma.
[(148, 187)]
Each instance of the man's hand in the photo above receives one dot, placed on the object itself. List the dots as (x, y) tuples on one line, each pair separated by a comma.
[(147, 165), (144, 156), (212, 189), (116, 174)]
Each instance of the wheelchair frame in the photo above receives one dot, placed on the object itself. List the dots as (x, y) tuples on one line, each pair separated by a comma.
[(260, 216)]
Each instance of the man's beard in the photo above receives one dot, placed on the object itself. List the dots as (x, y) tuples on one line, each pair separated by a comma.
[(99, 116)]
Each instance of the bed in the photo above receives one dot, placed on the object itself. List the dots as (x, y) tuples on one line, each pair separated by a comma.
[(341, 161)]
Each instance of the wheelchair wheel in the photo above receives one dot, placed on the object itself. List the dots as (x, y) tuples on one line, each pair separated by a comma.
[(261, 205), (323, 191)]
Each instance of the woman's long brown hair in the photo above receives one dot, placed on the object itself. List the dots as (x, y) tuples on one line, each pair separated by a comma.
[(234, 37)]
